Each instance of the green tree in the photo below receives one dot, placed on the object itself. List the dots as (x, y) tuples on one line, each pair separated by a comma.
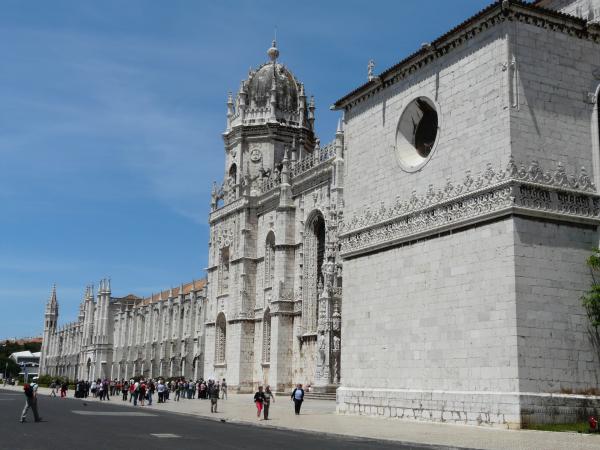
[(591, 299), (9, 365)]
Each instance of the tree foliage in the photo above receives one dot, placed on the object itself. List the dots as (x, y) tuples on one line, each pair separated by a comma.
[(591, 299)]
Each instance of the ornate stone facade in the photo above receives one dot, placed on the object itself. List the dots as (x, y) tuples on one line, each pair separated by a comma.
[(274, 276), (162, 335)]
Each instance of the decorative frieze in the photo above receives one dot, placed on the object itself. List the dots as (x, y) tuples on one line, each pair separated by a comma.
[(517, 189)]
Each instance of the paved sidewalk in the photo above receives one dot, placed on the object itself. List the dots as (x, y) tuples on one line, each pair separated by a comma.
[(319, 416)]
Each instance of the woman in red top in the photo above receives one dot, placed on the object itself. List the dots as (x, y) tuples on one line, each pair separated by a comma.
[(259, 400)]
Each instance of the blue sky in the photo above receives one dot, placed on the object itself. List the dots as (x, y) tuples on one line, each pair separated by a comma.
[(111, 116)]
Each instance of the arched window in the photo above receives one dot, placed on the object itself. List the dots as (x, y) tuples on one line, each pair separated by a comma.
[(270, 260), (156, 322), (220, 339), (314, 252), (224, 271), (233, 172), (266, 350)]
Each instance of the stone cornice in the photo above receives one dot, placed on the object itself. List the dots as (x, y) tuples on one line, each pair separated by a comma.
[(499, 12), (513, 190), (228, 209)]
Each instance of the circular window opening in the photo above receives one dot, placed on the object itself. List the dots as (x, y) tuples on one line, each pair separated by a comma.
[(417, 133)]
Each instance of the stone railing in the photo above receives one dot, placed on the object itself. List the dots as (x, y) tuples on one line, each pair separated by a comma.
[(318, 157), (228, 208), (270, 182), (528, 190)]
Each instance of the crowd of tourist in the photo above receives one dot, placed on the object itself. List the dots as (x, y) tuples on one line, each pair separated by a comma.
[(140, 391)]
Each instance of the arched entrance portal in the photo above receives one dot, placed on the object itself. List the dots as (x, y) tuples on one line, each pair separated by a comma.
[(314, 252)]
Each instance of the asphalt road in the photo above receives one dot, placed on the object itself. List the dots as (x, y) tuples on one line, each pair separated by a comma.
[(78, 425)]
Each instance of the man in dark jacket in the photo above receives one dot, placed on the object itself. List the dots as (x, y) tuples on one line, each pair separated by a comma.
[(213, 393), (298, 398)]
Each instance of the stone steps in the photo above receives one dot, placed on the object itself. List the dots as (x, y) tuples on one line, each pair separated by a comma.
[(319, 396)]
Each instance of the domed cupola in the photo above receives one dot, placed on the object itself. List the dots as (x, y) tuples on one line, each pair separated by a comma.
[(271, 95), (259, 87)]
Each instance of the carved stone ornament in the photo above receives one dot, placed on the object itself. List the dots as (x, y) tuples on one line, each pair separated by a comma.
[(529, 190), (255, 155)]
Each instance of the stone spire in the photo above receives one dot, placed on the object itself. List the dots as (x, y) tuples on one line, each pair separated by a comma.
[(52, 304)]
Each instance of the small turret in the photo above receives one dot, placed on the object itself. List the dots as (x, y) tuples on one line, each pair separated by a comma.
[(311, 112), (230, 111), (302, 105)]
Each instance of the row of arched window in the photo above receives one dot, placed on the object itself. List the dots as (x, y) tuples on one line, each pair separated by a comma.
[(221, 338)]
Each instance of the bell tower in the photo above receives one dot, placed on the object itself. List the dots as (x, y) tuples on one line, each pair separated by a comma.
[(270, 126)]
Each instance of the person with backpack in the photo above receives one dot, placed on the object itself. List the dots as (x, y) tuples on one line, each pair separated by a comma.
[(298, 398), (30, 402)]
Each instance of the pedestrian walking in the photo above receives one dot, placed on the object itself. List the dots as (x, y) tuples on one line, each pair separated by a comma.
[(269, 397), (213, 393), (142, 392), (178, 388), (106, 389), (94, 388), (100, 390), (53, 387), (136, 393), (30, 401), (161, 391), (150, 389), (63, 390), (125, 390), (131, 389), (259, 400), (224, 389), (298, 398)]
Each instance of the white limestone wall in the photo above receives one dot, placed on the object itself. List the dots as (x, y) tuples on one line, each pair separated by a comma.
[(555, 351), (470, 87), (551, 118), (431, 326)]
